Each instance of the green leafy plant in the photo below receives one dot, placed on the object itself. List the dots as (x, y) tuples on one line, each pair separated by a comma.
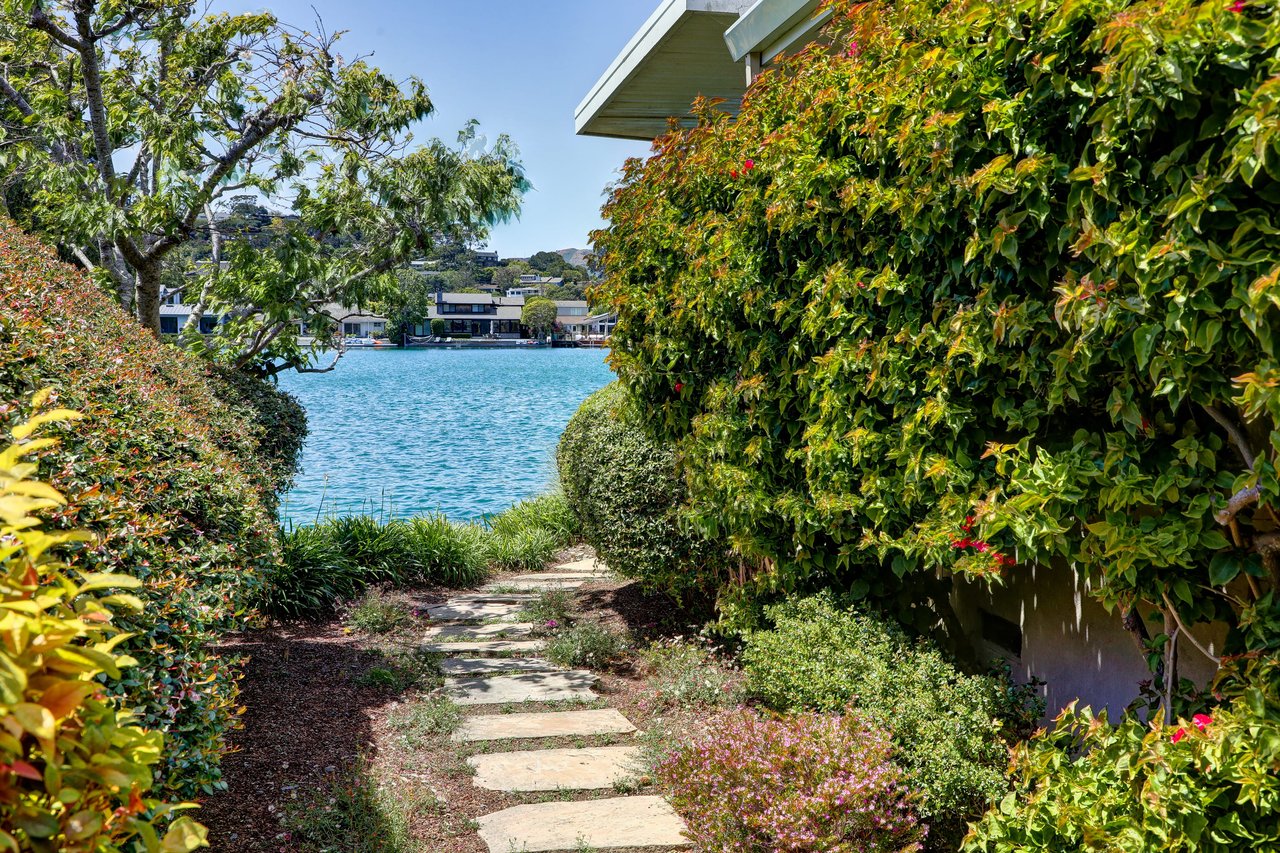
[(74, 767), (539, 315), (355, 811), (402, 671), (684, 672), (586, 644), (946, 726), (429, 718), (313, 576), (439, 326), (1208, 784), (550, 611), (524, 551), (549, 512), (625, 491), (985, 284), (378, 613)]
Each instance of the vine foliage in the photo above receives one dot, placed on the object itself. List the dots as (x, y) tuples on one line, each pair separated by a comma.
[(974, 285)]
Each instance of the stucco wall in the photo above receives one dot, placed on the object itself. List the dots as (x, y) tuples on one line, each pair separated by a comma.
[(1070, 640)]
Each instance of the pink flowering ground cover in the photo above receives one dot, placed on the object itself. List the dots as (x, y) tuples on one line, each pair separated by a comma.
[(800, 784)]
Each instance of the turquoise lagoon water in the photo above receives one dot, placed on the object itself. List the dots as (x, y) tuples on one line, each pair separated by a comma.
[(462, 432)]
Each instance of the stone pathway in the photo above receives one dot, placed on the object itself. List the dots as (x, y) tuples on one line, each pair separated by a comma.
[(550, 827)]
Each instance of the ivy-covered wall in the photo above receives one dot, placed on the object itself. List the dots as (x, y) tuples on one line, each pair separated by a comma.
[(982, 286)]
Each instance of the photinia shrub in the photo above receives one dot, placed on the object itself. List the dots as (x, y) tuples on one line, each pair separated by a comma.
[(988, 283), (169, 480), (810, 783), (1210, 784), (74, 769)]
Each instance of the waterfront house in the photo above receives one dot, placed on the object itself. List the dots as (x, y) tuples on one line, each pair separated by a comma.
[(356, 322), (1043, 621), (175, 313)]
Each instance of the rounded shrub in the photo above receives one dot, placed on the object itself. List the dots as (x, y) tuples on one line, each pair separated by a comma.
[(809, 783), (169, 479), (625, 491), (946, 726)]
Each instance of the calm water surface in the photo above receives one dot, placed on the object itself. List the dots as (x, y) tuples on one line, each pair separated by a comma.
[(415, 431)]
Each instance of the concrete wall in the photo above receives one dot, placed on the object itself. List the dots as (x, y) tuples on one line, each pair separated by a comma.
[(1069, 639)]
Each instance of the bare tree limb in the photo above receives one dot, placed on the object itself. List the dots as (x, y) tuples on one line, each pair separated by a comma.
[(1238, 438), (1236, 503), (1186, 633)]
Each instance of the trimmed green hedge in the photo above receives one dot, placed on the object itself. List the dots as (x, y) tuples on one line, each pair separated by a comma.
[(172, 481), (625, 491)]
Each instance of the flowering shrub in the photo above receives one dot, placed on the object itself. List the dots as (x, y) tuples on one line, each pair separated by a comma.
[(946, 726), (625, 491), (804, 784), (1014, 261), (166, 477), (73, 768), (1210, 784)]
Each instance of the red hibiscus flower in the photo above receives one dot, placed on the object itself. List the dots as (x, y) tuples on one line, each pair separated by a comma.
[(1178, 735), (1201, 721)]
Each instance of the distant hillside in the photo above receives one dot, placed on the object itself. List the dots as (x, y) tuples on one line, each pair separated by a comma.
[(576, 257)]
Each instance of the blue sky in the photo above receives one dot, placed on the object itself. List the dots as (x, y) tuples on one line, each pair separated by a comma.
[(520, 67)]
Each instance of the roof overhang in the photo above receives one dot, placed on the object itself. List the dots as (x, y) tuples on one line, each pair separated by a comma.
[(678, 54), (773, 27)]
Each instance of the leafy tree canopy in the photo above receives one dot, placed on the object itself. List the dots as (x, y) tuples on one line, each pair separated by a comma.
[(129, 127), (539, 314)]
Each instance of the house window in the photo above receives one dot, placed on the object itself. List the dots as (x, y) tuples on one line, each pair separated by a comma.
[(477, 309), (351, 329), (168, 325), (208, 324), (1001, 632)]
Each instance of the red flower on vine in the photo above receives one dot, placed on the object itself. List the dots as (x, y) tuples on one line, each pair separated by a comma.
[(733, 173), (1178, 735), (748, 166), (1237, 6), (1201, 721), (679, 387)]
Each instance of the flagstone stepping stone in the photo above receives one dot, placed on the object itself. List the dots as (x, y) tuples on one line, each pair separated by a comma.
[(555, 769), (533, 585), (585, 565), (560, 826), (480, 632), (495, 666), (605, 721), (468, 611), (459, 647), (527, 687), (556, 576), (492, 598)]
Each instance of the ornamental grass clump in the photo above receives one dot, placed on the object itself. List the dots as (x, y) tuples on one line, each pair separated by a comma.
[(810, 783)]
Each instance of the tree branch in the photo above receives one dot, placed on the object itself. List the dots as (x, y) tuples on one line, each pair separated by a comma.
[(1238, 438), (1186, 633), (1237, 502)]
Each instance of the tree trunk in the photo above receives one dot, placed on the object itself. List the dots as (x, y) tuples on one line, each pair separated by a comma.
[(148, 296)]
